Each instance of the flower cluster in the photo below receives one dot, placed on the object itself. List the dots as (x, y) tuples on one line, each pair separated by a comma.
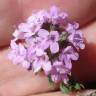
[(47, 41)]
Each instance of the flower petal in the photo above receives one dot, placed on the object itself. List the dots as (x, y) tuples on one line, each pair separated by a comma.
[(74, 56), (44, 44), (24, 27), (16, 33), (37, 66), (43, 33), (55, 34), (54, 11), (39, 52), (47, 67), (22, 50), (25, 64), (13, 45), (56, 78), (54, 47), (68, 63), (82, 46)]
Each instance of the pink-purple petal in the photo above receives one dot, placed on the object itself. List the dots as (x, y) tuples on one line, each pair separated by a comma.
[(54, 47), (37, 66), (43, 33), (47, 67), (55, 34)]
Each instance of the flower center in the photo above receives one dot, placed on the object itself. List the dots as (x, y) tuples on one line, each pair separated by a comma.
[(52, 37)]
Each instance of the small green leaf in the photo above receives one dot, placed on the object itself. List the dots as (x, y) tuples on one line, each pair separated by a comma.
[(63, 36), (77, 86), (82, 86), (63, 88), (50, 80), (70, 88)]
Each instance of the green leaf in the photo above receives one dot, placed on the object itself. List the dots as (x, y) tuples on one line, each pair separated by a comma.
[(50, 80), (63, 36), (70, 88), (82, 86), (77, 86), (63, 88)]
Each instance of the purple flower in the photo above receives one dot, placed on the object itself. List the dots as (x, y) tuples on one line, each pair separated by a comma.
[(34, 49), (32, 19), (25, 30), (67, 55), (35, 44), (42, 62), (38, 18), (43, 16), (76, 38), (18, 54), (31, 52), (54, 12), (38, 58), (59, 72), (71, 27), (63, 15), (50, 40)]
